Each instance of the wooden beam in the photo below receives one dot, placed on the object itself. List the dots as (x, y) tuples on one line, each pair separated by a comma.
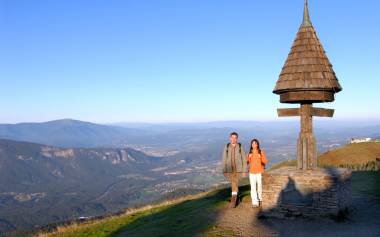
[(306, 96), (320, 112), (288, 112)]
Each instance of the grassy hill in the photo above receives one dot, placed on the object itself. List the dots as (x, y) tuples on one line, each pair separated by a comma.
[(186, 216), (359, 156)]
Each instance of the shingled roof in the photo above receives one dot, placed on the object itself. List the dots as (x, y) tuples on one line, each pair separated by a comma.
[(307, 67)]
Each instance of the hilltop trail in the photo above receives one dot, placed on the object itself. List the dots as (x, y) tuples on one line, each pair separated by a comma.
[(243, 221), (364, 220)]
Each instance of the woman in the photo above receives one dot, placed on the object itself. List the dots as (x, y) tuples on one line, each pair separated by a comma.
[(257, 161)]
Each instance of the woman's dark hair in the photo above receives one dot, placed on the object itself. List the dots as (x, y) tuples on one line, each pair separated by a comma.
[(258, 146)]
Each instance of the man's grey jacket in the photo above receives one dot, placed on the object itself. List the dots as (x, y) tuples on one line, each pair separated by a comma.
[(234, 159)]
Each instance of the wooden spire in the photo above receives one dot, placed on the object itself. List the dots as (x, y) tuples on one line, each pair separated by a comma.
[(306, 17), (307, 75)]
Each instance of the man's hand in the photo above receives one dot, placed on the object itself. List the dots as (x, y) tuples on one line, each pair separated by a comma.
[(244, 174)]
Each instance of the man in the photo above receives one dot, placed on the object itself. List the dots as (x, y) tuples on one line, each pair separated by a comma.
[(234, 164)]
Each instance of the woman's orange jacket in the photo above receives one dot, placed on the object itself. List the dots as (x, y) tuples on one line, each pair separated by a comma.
[(257, 162)]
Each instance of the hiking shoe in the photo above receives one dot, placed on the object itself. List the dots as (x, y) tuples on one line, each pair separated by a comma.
[(233, 201)]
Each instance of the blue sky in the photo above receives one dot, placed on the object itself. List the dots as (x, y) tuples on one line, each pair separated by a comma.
[(175, 61)]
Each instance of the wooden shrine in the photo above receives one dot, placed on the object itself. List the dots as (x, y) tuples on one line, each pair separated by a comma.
[(306, 78), (306, 190)]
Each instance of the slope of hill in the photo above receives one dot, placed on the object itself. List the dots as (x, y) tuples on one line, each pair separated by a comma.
[(207, 214), (41, 184), (358, 156), (186, 216)]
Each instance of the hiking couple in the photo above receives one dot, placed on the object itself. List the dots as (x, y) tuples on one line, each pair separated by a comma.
[(235, 164)]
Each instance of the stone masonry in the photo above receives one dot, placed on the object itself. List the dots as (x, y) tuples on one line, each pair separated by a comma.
[(291, 192)]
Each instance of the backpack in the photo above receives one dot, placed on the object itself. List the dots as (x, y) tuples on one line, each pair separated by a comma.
[(228, 144)]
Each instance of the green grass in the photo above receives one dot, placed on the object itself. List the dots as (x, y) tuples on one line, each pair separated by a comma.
[(187, 218), (366, 183)]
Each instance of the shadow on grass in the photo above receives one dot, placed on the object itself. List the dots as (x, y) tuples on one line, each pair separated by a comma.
[(188, 218), (366, 183)]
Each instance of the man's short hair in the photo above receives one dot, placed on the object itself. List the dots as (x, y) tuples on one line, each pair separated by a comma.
[(234, 133)]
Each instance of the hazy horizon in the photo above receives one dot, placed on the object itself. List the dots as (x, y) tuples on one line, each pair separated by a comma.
[(279, 120)]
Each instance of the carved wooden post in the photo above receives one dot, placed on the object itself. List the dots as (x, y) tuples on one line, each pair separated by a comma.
[(306, 78), (306, 152)]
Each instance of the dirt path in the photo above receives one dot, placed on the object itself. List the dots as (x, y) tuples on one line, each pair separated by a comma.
[(243, 220), (364, 220)]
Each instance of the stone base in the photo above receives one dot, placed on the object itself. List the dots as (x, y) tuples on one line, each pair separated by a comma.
[(290, 192)]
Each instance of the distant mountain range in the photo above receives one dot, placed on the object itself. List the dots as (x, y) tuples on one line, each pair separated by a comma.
[(70, 133), (75, 133)]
